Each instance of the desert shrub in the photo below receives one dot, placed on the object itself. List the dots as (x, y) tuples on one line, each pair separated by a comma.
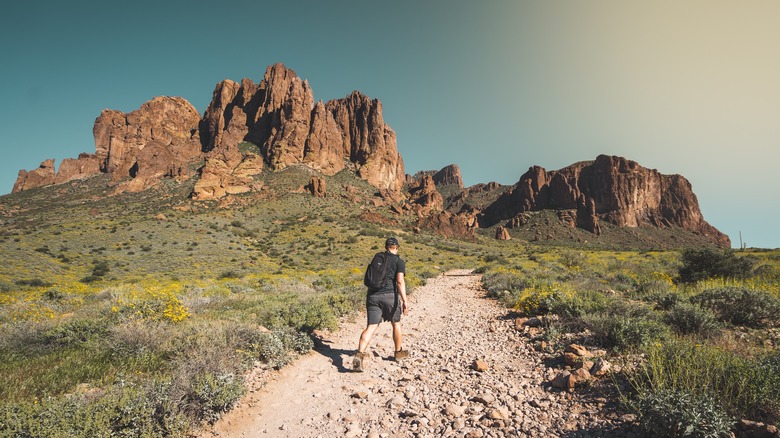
[(672, 413), (307, 316), (581, 303), (541, 298), (151, 302), (124, 410), (504, 285), (99, 270), (272, 351), (572, 259), (740, 305), (34, 282), (745, 387), (229, 274), (211, 395), (702, 263), (687, 318), (626, 332), (136, 337), (76, 332), (294, 341), (53, 295), (665, 300)]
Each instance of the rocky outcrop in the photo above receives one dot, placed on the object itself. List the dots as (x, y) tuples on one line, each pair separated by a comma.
[(279, 115), (70, 168), (424, 197), (42, 176), (502, 233), (449, 175), (155, 141), (246, 128), (76, 168), (316, 187), (447, 225), (612, 189)]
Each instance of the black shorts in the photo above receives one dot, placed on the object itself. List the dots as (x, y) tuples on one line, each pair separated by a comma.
[(383, 307)]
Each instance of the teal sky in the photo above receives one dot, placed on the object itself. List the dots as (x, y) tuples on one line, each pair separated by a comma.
[(688, 87)]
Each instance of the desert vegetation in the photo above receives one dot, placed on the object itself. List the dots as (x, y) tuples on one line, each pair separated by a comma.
[(131, 318), (138, 314), (696, 330)]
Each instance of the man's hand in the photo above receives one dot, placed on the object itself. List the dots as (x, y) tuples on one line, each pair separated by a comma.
[(405, 307)]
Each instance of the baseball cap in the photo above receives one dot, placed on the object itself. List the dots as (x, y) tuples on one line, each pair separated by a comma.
[(391, 241)]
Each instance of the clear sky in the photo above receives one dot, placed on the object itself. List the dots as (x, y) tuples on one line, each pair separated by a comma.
[(688, 87)]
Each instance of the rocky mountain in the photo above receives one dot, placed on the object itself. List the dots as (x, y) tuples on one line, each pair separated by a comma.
[(245, 128), (610, 189), (251, 129)]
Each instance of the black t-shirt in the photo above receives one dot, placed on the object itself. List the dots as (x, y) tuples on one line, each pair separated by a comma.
[(397, 265)]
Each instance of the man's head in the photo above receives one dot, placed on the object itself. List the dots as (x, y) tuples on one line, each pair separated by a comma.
[(391, 244)]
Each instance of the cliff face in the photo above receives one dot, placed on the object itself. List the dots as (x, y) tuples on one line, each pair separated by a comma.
[(611, 189), (245, 128), (280, 117)]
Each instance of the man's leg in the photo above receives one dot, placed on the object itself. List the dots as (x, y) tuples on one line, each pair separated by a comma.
[(397, 335), (358, 363), (365, 337)]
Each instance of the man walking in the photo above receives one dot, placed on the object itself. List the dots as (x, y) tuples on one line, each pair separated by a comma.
[(386, 304)]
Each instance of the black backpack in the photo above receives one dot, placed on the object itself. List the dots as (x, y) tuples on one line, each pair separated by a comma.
[(376, 271)]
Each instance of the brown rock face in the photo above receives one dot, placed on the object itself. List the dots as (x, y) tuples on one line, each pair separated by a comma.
[(157, 140), (449, 175), (612, 189), (247, 126), (448, 225), (83, 166), (42, 176), (424, 196), (279, 115), (502, 233), (316, 187)]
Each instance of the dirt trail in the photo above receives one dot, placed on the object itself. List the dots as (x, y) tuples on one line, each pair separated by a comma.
[(435, 392)]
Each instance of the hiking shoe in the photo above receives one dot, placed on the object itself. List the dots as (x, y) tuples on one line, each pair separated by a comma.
[(357, 362), (401, 354)]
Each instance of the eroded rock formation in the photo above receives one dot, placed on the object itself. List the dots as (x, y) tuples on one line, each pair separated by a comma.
[(449, 175), (279, 115), (246, 128), (612, 189)]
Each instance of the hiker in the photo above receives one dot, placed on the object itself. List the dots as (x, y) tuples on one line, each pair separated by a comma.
[(386, 303)]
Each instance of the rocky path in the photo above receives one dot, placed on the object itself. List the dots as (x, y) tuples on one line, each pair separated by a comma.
[(435, 392)]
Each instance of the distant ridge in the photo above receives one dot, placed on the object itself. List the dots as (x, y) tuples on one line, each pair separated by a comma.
[(249, 129)]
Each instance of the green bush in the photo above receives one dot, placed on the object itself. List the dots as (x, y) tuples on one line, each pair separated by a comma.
[(582, 303), (687, 318), (703, 263), (124, 410), (76, 332), (626, 332), (504, 286), (672, 413), (740, 305), (746, 388), (211, 396)]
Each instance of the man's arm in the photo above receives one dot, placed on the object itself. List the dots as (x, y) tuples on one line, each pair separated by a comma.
[(399, 280)]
